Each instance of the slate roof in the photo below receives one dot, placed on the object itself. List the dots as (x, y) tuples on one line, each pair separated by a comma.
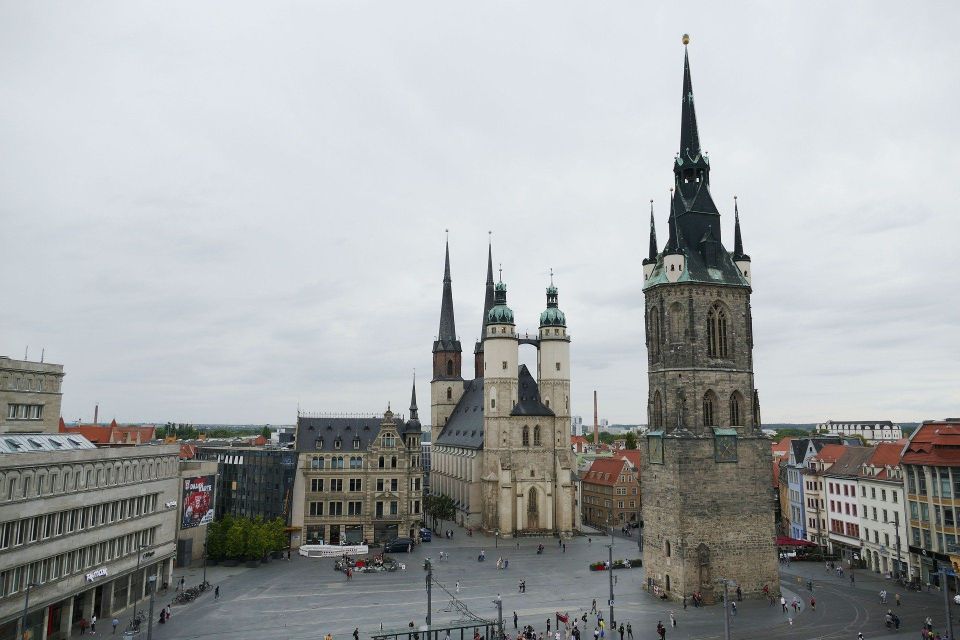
[(33, 442), (529, 403), (310, 430), (447, 333), (850, 462), (464, 428)]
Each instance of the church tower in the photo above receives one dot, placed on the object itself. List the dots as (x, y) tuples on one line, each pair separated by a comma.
[(707, 504), (553, 364), (446, 387), (487, 305)]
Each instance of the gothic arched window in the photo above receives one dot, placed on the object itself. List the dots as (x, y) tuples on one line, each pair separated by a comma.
[(526, 436), (735, 415), (655, 337), (536, 436), (449, 367), (709, 409), (449, 393), (676, 322), (657, 416), (717, 332)]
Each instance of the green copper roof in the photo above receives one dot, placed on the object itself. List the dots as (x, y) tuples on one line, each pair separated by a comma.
[(553, 317), (500, 314)]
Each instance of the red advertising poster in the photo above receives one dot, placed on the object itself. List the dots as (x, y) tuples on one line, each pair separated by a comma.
[(197, 501)]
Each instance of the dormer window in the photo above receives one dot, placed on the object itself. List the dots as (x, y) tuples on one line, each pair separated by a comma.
[(336, 443), (356, 443)]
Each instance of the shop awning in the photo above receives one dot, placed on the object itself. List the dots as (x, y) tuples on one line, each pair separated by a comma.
[(786, 541)]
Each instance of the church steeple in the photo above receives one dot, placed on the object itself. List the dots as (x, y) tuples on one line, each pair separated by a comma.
[(487, 305), (651, 260), (413, 401), (689, 135), (446, 348), (738, 253)]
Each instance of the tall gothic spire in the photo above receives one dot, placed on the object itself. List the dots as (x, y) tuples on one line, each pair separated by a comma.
[(689, 135), (488, 296), (413, 400), (738, 253), (652, 257), (448, 329)]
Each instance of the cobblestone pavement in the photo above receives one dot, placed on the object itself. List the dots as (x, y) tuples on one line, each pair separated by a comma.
[(306, 598)]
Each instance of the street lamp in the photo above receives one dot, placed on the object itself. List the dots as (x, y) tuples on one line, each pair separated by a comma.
[(152, 581), (946, 599), (496, 538), (610, 571), (726, 608), (26, 605), (499, 604), (140, 590), (429, 564)]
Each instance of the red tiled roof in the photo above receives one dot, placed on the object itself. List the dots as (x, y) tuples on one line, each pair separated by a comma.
[(782, 447), (633, 455), (111, 433), (188, 451), (604, 471), (831, 452), (934, 443)]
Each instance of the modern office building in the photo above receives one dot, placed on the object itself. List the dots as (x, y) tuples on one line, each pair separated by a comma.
[(252, 481), (29, 396), (81, 528)]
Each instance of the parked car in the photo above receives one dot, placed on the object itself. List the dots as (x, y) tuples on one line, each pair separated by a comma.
[(426, 535), (398, 544)]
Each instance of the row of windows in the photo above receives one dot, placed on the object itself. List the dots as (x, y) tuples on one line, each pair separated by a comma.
[(710, 413), (942, 484), (25, 412), (46, 481), (16, 579), (356, 462), (718, 338), (355, 508), (335, 485), (15, 533), (848, 529)]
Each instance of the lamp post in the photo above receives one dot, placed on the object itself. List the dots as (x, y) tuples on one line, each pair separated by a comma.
[(499, 604), (496, 538), (896, 524), (610, 571), (946, 599), (152, 581), (429, 564), (26, 606), (136, 602), (726, 610)]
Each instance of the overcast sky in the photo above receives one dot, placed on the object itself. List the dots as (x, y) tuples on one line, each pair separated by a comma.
[(215, 212)]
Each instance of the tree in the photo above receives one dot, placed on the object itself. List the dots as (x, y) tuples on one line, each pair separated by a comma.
[(236, 542), (265, 432), (439, 507), (631, 440)]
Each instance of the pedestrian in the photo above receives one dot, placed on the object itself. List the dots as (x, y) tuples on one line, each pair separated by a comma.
[(673, 620), (564, 547), (629, 632), (852, 578), (548, 625), (93, 624), (356, 633), (783, 603), (596, 633), (329, 636), (216, 593), (83, 626), (739, 594), (115, 622), (593, 606), (458, 586), (813, 604), (615, 578), (288, 555), (589, 540), (169, 610), (684, 602), (661, 630), (897, 596), (733, 608), (349, 573), (515, 620), (620, 630)]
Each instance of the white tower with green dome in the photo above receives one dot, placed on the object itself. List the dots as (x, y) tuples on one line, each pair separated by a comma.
[(553, 361), (500, 356)]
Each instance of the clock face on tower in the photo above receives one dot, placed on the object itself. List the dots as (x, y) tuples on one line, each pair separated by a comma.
[(726, 448)]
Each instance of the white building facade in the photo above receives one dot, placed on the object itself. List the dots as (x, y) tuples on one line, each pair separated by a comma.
[(870, 431)]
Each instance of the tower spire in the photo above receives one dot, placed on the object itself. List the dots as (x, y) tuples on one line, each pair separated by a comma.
[(737, 240), (448, 330), (653, 236), (488, 293), (689, 135), (413, 399)]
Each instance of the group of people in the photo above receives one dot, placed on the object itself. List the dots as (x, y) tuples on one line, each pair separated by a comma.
[(448, 534)]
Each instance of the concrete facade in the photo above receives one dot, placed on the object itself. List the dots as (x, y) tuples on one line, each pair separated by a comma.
[(87, 526), (30, 395)]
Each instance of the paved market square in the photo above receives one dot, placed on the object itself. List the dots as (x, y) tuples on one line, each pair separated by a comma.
[(305, 597)]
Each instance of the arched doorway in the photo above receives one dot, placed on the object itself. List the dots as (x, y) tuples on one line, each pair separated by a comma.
[(533, 509)]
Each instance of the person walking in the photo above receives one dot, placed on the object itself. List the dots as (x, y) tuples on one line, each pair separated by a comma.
[(515, 620), (356, 633), (661, 630), (897, 596), (115, 622), (783, 604), (596, 633), (564, 547), (593, 606), (216, 593), (629, 632), (458, 586), (615, 578), (739, 594), (733, 608), (813, 604), (673, 620), (620, 630), (684, 602), (93, 624), (83, 626), (548, 625)]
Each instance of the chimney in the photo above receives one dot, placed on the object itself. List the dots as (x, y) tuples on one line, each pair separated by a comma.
[(96, 412), (596, 424)]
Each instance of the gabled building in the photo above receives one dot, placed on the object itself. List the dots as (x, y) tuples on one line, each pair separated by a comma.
[(883, 526), (801, 451), (611, 493), (870, 430), (814, 492), (359, 478), (113, 434), (841, 483)]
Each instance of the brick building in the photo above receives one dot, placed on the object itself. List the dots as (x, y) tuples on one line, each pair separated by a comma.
[(708, 500), (611, 493)]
